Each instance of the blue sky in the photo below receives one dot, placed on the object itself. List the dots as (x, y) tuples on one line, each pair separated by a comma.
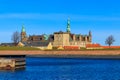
[(102, 17)]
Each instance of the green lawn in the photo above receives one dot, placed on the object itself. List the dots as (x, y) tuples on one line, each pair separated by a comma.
[(32, 48), (17, 48)]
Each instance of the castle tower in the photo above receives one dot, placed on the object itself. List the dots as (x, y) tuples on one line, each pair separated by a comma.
[(23, 34), (68, 26), (90, 36)]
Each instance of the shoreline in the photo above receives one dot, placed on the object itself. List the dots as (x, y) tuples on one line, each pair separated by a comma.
[(66, 54), (114, 57)]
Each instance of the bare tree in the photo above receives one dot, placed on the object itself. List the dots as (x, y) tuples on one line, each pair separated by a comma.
[(16, 37), (109, 41)]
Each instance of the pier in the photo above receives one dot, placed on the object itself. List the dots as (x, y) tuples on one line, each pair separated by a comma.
[(12, 62)]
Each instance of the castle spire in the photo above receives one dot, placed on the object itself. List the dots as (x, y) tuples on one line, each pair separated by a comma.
[(23, 28), (68, 25), (90, 33), (90, 36), (23, 34)]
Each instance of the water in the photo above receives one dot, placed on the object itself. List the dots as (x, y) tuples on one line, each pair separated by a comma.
[(66, 69)]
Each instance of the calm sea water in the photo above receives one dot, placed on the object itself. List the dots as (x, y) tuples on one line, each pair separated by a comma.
[(66, 69)]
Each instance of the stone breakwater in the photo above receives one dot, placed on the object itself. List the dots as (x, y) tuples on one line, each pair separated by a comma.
[(63, 53)]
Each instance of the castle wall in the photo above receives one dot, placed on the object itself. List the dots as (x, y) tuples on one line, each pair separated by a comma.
[(79, 43), (61, 39), (23, 37)]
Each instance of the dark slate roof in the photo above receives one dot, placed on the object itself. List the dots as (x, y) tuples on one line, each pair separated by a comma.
[(77, 36), (51, 38), (61, 32), (37, 44), (7, 44), (35, 35)]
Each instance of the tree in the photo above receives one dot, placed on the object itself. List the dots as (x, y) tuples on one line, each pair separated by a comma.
[(109, 41), (16, 37)]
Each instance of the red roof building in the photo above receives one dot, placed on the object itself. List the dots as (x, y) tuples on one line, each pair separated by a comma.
[(93, 46)]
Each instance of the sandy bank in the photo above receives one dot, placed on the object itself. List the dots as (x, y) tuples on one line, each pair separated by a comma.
[(95, 52)]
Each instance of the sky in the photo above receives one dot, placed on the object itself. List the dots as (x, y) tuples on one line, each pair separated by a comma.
[(101, 17)]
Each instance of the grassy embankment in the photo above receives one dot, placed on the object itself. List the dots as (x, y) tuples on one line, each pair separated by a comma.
[(17, 48), (83, 49), (32, 48)]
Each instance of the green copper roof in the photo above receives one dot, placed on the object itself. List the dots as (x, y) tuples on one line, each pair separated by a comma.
[(46, 36), (68, 25), (23, 28)]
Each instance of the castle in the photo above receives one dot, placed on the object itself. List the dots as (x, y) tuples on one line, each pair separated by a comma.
[(57, 39)]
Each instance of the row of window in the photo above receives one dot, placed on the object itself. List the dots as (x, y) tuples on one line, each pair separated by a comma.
[(35, 39)]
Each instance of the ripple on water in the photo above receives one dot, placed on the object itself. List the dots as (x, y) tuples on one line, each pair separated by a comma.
[(65, 69)]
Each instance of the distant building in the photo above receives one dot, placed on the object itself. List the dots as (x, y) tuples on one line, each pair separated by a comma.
[(57, 39), (98, 46), (93, 46), (8, 44)]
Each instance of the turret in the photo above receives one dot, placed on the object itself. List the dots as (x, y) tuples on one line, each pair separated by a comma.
[(23, 29), (23, 34), (68, 25), (90, 36)]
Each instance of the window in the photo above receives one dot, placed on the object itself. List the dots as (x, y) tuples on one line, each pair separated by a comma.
[(40, 38), (31, 39)]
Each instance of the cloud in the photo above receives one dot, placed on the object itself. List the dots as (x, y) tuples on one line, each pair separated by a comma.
[(56, 16)]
